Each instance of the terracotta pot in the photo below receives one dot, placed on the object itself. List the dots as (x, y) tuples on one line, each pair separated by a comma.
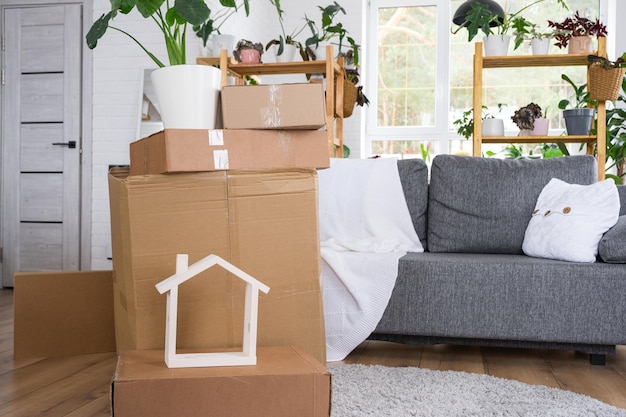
[(580, 45)]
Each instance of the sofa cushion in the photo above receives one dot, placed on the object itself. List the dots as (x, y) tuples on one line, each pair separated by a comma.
[(483, 205), (621, 189), (414, 179), (612, 247), (569, 220)]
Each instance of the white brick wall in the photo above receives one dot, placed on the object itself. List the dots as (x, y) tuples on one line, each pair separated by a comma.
[(117, 67)]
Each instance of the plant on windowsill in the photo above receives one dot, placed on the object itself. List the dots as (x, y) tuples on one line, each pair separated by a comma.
[(577, 31)]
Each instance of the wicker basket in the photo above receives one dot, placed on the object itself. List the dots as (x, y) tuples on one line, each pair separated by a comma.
[(605, 84), (350, 93)]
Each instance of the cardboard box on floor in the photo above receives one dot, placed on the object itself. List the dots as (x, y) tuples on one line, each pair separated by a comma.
[(192, 150), (263, 222), (274, 106), (286, 382), (63, 313)]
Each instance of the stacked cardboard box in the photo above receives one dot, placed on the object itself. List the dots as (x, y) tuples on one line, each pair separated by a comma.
[(258, 211)]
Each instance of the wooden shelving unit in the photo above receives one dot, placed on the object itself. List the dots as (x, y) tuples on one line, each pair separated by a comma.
[(595, 143), (334, 107)]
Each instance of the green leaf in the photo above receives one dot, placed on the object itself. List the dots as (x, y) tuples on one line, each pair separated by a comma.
[(148, 7), (99, 28), (195, 12)]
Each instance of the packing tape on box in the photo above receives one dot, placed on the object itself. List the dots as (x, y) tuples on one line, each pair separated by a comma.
[(216, 137), (220, 159), (270, 115)]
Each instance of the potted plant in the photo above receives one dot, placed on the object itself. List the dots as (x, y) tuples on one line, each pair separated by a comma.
[(576, 31), (539, 39), (330, 31), (616, 137), (285, 46), (211, 29), (248, 52), (480, 18), (187, 94), (492, 126), (529, 119), (577, 113), (605, 77)]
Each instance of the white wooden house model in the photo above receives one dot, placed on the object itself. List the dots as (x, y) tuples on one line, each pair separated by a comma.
[(184, 272)]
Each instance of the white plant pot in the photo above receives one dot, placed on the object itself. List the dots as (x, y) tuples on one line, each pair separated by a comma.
[(540, 46), (187, 95), (320, 52), (288, 55), (493, 127), (222, 41), (496, 45)]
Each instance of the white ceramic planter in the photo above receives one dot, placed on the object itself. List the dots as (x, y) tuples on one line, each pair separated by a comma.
[(496, 45), (288, 55), (540, 46), (187, 95), (493, 127)]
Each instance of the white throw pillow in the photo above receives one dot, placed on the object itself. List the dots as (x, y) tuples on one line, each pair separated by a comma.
[(570, 219)]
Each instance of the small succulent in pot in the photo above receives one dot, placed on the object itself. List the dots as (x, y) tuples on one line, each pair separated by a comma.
[(525, 116)]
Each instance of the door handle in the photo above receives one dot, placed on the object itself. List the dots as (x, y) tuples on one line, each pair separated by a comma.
[(71, 144)]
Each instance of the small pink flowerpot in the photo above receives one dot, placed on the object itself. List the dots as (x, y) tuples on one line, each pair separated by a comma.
[(250, 56), (580, 45), (541, 128)]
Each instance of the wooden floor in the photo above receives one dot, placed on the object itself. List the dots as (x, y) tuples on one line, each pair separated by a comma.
[(78, 386)]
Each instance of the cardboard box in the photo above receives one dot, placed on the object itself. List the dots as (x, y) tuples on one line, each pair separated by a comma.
[(189, 150), (273, 106), (286, 382), (263, 222), (63, 313)]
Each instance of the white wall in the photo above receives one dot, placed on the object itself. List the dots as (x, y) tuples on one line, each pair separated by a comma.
[(117, 67)]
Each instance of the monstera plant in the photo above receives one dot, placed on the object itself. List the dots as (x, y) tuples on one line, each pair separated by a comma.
[(172, 19)]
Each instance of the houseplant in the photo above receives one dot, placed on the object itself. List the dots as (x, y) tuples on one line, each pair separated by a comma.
[(605, 77), (480, 18), (248, 52), (286, 42), (576, 31), (529, 119), (616, 136), (580, 111), (330, 31), (465, 123), (187, 94)]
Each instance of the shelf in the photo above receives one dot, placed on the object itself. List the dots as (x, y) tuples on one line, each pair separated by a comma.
[(304, 67), (334, 102), (555, 60), (539, 139), (596, 144)]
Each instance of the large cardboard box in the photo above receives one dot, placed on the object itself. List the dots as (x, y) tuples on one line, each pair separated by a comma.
[(273, 106), (63, 313), (285, 382), (263, 222), (189, 150)]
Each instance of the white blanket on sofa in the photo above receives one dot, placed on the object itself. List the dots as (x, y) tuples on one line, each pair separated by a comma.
[(365, 227)]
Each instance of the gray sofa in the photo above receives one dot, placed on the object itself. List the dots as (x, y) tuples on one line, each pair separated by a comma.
[(473, 284)]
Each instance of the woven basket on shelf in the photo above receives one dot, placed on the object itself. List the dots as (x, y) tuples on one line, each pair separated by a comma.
[(350, 93), (605, 84)]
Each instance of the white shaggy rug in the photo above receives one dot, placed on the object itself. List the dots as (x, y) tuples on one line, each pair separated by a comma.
[(360, 390)]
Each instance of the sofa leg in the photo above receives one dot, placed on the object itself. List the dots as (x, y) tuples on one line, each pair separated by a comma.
[(597, 359)]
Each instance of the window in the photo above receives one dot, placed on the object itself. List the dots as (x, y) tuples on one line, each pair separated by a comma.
[(421, 76)]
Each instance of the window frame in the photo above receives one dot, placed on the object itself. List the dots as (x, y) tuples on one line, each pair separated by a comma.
[(439, 132)]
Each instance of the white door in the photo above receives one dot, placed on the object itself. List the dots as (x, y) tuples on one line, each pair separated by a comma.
[(41, 92)]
